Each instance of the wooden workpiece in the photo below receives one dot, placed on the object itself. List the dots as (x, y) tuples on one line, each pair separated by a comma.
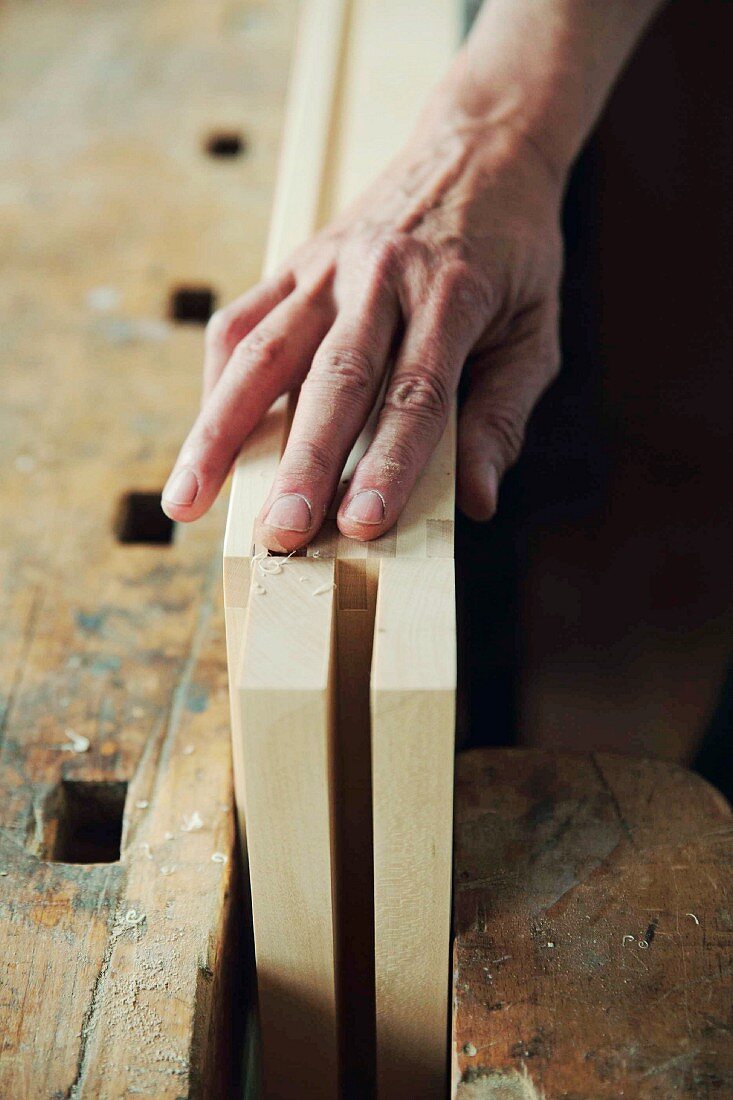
[(593, 923), (113, 975), (284, 710), (361, 73)]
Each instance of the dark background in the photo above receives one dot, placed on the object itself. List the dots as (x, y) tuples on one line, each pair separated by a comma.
[(597, 605)]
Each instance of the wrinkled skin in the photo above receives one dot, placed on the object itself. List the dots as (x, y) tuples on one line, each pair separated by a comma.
[(449, 262)]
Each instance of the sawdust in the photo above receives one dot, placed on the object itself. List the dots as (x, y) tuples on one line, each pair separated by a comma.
[(124, 1006), (76, 743), (192, 823), (489, 1084)]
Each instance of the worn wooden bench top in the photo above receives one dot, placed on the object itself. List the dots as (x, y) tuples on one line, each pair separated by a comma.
[(593, 921), (112, 971)]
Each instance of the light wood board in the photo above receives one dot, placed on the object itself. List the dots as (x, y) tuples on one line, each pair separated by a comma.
[(362, 71)]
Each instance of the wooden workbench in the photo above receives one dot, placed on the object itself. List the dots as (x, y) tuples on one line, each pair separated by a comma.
[(593, 924), (113, 973), (118, 939)]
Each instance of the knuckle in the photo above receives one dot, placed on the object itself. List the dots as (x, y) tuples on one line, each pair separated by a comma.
[(461, 286), (260, 348), (507, 426), (420, 394), (349, 369), (385, 257)]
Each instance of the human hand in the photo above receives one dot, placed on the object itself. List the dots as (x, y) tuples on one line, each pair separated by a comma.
[(449, 262)]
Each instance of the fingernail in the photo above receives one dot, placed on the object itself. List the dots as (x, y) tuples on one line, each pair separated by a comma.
[(182, 487), (290, 512), (366, 507)]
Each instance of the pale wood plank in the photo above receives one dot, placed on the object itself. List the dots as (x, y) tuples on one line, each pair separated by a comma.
[(413, 717), (362, 73), (283, 704)]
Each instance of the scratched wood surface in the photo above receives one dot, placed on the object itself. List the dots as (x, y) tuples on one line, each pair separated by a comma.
[(593, 915), (112, 974)]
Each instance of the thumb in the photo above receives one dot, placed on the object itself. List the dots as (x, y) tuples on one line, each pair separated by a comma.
[(503, 388)]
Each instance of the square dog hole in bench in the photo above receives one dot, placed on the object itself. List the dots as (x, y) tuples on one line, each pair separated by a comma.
[(89, 822)]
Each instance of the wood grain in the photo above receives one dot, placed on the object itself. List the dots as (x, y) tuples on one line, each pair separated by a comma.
[(109, 203), (593, 920), (413, 721), (285, 722), (362, 71)]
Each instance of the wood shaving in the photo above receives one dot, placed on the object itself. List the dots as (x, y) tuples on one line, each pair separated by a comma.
[(192, 823), (142, 804), (324, 588), (188, 751), (218, 857), (693, 917), (167, 870), (76, 743), (268, 566)]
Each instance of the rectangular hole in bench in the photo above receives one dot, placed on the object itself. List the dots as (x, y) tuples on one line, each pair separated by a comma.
[(192, 304), (226, 143), (89, 822), (140, 518)]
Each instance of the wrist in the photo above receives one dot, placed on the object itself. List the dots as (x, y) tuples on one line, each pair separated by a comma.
[(513, 119), (540, 70), (489, 130)]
